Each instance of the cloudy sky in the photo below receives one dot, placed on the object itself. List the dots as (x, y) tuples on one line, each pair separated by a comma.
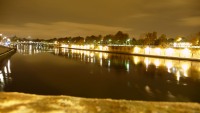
[(59, 18)]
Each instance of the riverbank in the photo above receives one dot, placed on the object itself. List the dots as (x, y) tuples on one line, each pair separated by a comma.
[(29, 103), (6, 52), (165, 53)]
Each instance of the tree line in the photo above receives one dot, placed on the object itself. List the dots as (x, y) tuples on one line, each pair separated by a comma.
[(120, 38)]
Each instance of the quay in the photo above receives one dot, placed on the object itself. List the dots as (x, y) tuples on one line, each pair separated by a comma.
[(191, 54)]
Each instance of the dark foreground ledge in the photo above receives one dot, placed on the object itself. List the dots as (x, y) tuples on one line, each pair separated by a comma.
[(28, 103)]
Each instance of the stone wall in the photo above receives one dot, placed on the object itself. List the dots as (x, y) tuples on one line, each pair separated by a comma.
[(172, 52), (27, 103)]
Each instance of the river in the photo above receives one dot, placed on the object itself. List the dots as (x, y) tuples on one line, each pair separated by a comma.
[(62, 71)]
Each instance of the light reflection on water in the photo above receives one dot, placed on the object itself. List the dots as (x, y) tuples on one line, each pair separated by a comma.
[(29, 49), (119, 76), (5, 74), (179, 68), (179, 72)]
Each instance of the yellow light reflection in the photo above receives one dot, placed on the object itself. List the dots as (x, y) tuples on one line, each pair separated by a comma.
[(178, 76), (30, 49), (148, 89), (92, 60), (147, 62), (185, 68), (136, 60), (91, 54), (128, 66), (101, 62), (9, 70), (105, 55), (63, 50), (56, 51), (5, 69), (169, 65), (108, 63), (100, 55), (157, 62)]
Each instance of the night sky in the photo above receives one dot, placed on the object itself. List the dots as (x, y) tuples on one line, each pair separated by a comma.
[(60, 18)]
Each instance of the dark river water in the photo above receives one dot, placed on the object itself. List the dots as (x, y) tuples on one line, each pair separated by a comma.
[(62, 71)]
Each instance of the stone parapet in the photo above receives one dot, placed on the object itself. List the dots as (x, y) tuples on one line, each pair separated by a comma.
[(29, 103)]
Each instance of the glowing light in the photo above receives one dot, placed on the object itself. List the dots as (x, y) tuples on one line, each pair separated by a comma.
[(169, 51), (92, 60), (56, 42), (178, 76), (8, 39), (91, 46), (169, 65), (136, 50), (147, 62), (56, 51), (185, 68), (9, 70), (82, 47), (30, 49), (148, 89), (157, 51), (5, 69), (63, 50), (128, 66), (179, 39), (100, 55), (105, 55), (105, 48), (108, 63), (147, 50), (101, 62), (100, 48), (157, 62), (186, 52), (136, 60), (91, 54), (64, 45), (1, 77), (87, 46)]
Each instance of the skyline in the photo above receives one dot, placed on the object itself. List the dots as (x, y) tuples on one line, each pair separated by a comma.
[(50, 19)]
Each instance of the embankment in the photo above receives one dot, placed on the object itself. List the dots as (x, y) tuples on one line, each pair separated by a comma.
[(6, 52), (192, 54), (27, 103)]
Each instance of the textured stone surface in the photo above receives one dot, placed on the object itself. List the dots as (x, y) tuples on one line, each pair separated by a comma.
[(27, 103)]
